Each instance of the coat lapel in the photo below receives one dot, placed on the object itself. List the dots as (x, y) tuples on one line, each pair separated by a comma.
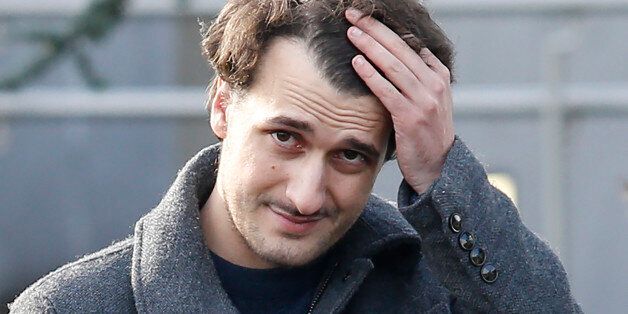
[(380, 237), (172, 270)]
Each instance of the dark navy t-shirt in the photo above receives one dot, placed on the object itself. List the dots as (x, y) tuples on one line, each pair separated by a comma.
[(277, 290)]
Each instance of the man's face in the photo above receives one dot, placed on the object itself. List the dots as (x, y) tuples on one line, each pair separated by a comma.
[(299, 158)]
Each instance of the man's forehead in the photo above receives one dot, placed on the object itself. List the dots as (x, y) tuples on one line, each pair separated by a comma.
[(288, 71), (322, 106)]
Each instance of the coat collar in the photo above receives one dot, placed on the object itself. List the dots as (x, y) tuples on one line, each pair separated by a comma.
[(172, 270)]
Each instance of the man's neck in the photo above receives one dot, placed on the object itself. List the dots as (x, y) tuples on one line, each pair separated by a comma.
[(221, 236)]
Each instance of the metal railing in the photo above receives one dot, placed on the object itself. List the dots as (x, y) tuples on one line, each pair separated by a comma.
[(189, 102), (204, 7)]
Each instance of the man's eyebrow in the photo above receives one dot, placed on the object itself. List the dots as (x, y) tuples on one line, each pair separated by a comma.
[(291, 122), (367, 149)]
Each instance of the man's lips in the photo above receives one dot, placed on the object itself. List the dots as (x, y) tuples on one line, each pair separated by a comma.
[(296, 219), (299, 220), (295, 224)]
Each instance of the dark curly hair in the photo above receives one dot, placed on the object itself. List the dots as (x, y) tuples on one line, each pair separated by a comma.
[(235, 41)]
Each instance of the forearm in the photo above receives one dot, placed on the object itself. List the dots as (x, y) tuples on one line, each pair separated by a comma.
[(530, 276)]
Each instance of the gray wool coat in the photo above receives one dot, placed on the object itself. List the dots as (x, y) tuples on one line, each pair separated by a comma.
[(393, 260)]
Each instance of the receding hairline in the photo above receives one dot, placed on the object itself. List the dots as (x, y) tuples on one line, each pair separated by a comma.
[(312, 56)]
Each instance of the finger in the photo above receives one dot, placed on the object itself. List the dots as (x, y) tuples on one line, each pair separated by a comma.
[(433, 62), (384, 90), (391, 41), (395, 71)]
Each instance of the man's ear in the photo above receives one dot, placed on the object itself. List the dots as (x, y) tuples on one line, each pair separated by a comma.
[(217, 107)]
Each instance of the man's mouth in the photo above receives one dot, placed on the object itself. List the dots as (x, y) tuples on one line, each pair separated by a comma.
[(294, 224)]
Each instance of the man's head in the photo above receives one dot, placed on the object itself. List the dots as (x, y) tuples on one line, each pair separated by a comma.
[(242, 32), (303, 137)]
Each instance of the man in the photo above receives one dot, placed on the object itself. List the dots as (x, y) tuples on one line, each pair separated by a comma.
[(310, 99)]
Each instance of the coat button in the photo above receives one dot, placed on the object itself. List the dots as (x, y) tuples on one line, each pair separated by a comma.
[(489, 273), (346, 276), (477, 256), (455, 222), (467, 240)]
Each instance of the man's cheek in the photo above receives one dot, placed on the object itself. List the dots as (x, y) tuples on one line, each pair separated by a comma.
[(352, 194)]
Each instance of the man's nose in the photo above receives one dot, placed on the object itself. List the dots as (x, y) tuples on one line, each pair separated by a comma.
[(306, 188)]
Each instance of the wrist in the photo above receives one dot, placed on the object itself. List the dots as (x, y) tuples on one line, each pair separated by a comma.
[(423, 187), (422, 182)]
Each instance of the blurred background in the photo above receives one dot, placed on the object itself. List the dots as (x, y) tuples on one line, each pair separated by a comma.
[(101, 102)]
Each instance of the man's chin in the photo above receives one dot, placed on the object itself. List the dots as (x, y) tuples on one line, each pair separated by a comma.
[(294, 255)]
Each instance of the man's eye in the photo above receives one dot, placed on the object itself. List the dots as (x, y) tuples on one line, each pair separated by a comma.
[(284, 138), (352, 156)]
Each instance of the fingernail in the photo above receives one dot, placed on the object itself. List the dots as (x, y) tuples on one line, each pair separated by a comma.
[(358, 60), (355, 31), (353, 13)]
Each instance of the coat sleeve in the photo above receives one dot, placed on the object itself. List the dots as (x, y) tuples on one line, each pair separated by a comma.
[(529, 276)]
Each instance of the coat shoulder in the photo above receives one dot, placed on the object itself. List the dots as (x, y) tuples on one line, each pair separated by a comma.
[(98, 282), (381, 203)]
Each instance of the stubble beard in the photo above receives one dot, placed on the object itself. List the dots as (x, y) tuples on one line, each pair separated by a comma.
[(286, 251)]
